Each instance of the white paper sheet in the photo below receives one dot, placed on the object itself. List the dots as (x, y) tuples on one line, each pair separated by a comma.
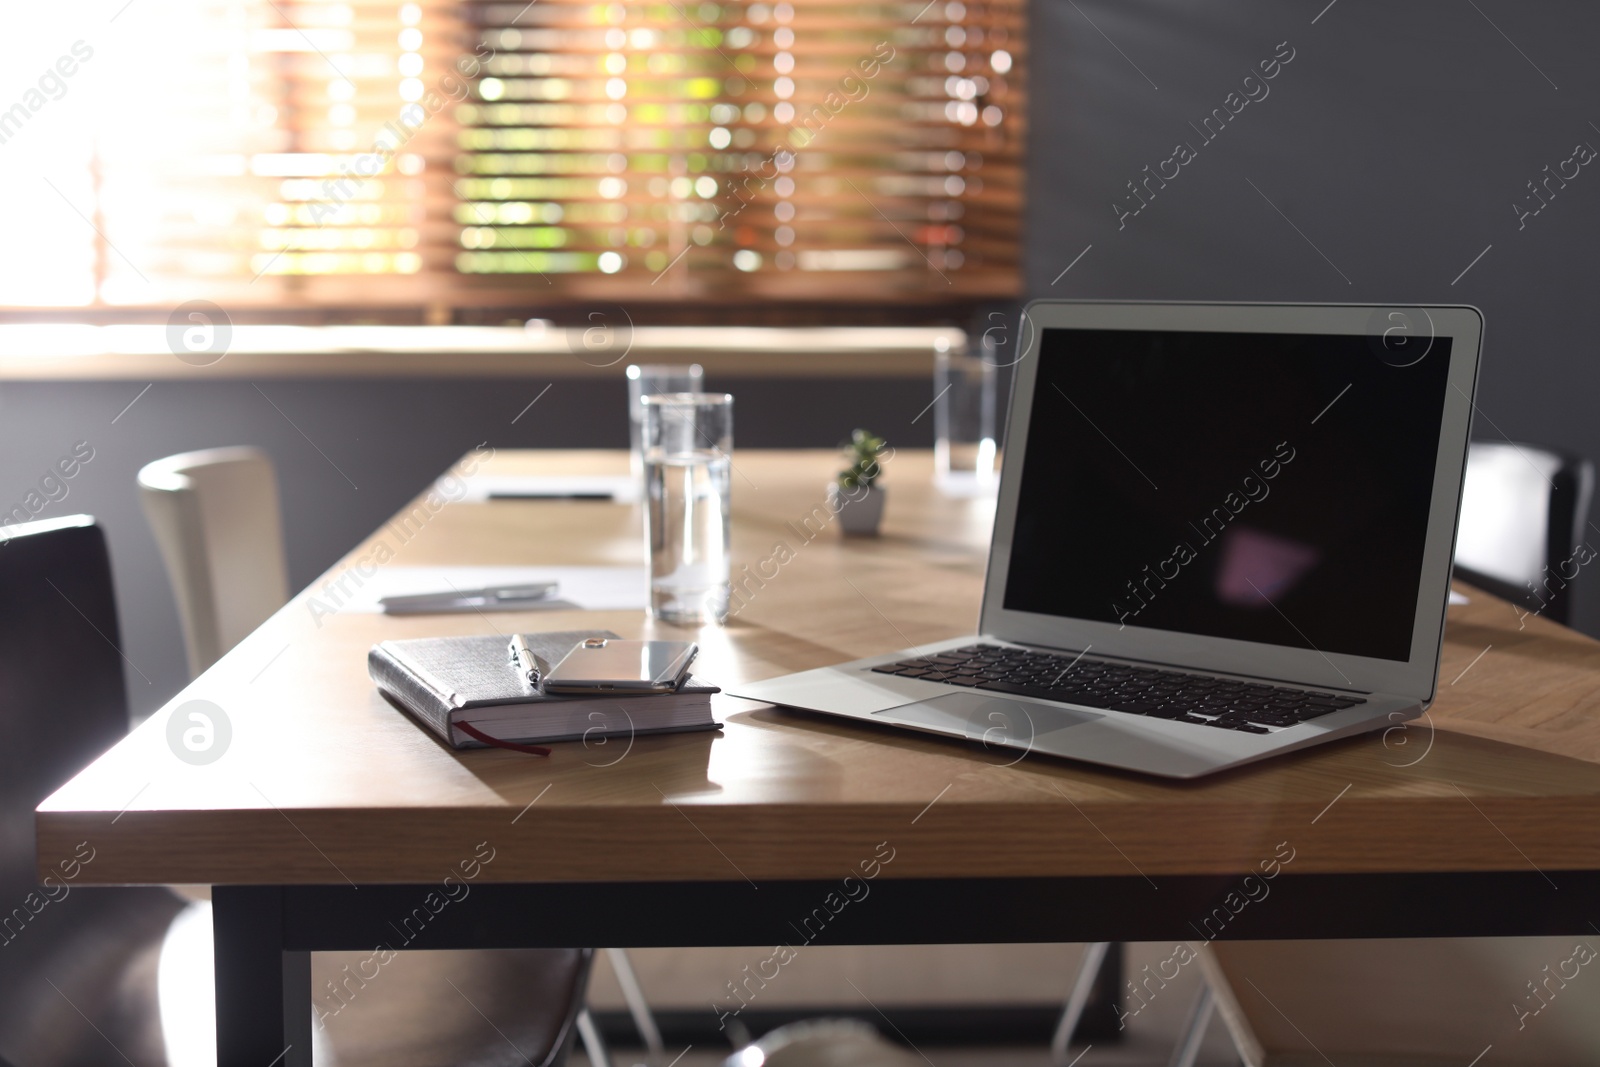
[(588, 588)]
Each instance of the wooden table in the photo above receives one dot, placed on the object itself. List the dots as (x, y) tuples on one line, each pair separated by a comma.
[(331, 818)]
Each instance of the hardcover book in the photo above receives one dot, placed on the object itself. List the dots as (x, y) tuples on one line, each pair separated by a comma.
[(447, 683)]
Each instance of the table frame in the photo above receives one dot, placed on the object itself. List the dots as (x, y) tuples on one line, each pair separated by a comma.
[(265, 934)]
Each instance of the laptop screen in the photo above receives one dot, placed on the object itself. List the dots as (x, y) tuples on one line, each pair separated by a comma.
[(1260, 487)]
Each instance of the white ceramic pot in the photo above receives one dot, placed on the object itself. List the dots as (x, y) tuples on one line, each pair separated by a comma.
[(859, 514)]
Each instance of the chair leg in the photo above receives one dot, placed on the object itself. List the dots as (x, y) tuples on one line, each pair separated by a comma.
[(643, 1019), (592, 1043), (1094, 954), (1194, 1031)]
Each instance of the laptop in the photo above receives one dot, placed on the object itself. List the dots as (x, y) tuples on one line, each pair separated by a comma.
[(1223, 532)]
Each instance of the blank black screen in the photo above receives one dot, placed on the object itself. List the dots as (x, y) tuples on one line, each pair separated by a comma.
[(1261, 487)]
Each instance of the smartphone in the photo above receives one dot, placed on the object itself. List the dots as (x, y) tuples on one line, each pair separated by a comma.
[(613, 665)]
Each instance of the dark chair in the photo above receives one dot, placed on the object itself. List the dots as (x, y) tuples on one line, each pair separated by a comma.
[(73, 958), (1524, 518), (79, 965)]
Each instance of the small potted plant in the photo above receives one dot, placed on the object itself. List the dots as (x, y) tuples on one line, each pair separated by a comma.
[(855, 495)]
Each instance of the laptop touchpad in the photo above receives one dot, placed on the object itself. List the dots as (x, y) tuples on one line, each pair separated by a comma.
[(991, 719)]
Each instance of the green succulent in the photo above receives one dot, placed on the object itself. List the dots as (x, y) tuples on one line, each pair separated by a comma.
[(863, 450)]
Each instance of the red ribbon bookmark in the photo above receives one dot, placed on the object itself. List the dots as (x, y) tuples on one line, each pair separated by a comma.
[(478, 735)]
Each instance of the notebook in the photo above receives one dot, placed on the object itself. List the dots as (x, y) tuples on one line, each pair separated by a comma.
[(461, 686)]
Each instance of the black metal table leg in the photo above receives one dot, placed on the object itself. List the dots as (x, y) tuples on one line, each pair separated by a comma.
[(1101, 1015), (263, 992)]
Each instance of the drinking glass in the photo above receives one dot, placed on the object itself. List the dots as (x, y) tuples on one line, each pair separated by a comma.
[(688, 441), (964, 409), (646, 379)]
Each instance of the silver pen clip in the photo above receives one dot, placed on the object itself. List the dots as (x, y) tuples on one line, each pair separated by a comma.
[(526, 663)]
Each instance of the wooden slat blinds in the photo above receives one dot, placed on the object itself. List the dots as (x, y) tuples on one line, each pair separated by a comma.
[(483, 153)]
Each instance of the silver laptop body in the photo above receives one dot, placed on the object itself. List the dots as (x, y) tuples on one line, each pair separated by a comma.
[(1255, 499)]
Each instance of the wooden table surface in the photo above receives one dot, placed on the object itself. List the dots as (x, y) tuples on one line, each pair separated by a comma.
[(323, 782)]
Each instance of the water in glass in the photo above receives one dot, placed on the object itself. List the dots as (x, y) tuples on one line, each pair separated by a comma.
[(687, 528)]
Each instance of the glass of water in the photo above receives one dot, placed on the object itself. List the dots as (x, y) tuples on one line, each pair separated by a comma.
[(964, 423), (648, 379), (688, 445)]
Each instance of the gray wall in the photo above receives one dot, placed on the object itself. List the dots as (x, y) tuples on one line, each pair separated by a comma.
[(1397, 140)]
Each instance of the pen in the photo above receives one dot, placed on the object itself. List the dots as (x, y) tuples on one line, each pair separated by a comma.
[(493, 598), (511, 494), (523, 657)]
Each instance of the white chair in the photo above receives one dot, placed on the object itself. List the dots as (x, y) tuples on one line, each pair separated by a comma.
[(1524, 514), (216, 520)]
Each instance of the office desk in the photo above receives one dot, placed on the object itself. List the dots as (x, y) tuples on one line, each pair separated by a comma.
[(332, 821)]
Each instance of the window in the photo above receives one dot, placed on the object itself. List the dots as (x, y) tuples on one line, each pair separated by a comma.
[(484, 153)]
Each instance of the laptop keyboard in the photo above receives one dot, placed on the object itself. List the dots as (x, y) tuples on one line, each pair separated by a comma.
[(1249, 707)]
